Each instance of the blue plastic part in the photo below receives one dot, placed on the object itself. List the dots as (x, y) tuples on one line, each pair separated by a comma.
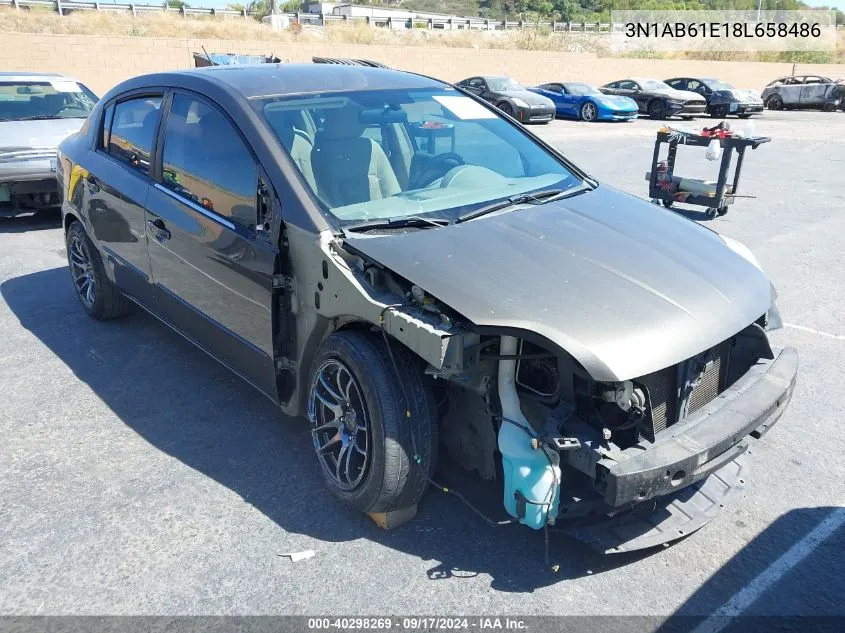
[(529, 475)]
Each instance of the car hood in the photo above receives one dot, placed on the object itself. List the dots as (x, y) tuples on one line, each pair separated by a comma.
[(43, 134), (622, 285), (531, 98), (737, 94), (615, 101), (683, 95)]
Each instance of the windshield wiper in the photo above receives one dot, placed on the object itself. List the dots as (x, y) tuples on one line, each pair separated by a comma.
[(538, 197), (39, 117), (396, 223)]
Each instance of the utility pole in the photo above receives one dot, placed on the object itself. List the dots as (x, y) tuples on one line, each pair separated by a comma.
[(274, 6), (759, 6)]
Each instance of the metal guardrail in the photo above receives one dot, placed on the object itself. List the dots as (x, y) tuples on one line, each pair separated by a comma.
[(64, 7)]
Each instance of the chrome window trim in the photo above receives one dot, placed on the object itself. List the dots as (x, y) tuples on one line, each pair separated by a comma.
[(199, 209)]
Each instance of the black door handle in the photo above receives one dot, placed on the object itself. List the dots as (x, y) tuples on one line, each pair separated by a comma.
[(158, 229)]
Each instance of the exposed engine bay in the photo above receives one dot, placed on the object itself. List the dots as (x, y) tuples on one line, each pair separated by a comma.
[(528, 413)]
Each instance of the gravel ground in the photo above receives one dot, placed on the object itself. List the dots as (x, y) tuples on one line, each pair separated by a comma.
[(140, 477)]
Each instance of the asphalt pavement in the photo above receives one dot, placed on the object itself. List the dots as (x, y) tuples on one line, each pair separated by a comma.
[(137, 476)]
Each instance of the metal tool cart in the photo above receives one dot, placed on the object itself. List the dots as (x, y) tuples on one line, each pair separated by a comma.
[(665, 187)]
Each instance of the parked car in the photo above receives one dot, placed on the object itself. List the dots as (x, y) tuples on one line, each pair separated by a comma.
[(804, 91), (511, 98), (657, 99), (722, 98), (488, 296), (583, 101), (37, 112)]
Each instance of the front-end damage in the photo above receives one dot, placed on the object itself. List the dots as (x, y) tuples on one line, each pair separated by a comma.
[(517, 407)]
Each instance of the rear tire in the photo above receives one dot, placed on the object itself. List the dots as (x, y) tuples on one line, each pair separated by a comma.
[(353, 375), (101, 299), (657, 109)]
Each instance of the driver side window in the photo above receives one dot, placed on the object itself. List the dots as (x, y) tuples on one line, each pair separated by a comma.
[(477, 84)]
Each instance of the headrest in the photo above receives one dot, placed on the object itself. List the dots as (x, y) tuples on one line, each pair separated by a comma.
[(53, 102), (342, 123)]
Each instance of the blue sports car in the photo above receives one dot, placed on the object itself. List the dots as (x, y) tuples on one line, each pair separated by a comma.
[(583, 101)]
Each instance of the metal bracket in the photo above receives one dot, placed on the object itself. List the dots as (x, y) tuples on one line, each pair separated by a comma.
[(285, 363), (566, 443), (283, 281)]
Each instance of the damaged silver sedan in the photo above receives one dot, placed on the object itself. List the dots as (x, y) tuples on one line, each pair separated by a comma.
[(393, 259), (37, 112)]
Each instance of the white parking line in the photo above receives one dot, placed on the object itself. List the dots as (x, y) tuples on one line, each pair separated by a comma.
[(838, 337), (757, 587)]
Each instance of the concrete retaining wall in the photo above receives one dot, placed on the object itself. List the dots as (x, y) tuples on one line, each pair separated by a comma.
[(102, 62)]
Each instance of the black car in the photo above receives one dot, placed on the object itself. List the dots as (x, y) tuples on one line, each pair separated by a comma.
[(722, 98), (657, 99), (382, 254), (512, 98)]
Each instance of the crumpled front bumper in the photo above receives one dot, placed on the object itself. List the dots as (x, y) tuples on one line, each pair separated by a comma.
[(694, 448)]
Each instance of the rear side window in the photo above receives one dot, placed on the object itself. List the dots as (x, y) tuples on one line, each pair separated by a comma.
[(205, 161), (133, 128)]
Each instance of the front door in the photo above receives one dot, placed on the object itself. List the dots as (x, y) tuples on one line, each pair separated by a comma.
[(212, 269), (115, 190)]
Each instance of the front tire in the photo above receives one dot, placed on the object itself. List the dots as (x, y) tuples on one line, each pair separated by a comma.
[(506, 108), (775, 102), (719, 111), (359, 426), (657, 109), (589, 112), (101, 299)]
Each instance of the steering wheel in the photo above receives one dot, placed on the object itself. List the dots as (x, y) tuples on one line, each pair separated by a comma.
[(436, 167)]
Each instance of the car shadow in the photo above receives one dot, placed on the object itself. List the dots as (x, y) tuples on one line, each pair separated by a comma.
[(47, 219), (698, 216), (783, 580), (215, 423)]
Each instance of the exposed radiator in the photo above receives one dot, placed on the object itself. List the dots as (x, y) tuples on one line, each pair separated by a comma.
[(662, 388), (711, 382), (708, 375)]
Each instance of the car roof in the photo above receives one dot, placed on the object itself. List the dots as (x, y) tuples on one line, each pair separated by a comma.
[(22, 76), (264, 80)]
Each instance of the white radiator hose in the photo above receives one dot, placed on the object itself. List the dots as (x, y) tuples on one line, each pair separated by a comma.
[(532, 475)]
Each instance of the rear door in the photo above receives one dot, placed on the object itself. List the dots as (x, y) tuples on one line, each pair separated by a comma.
[(116, 184), (212, 269)]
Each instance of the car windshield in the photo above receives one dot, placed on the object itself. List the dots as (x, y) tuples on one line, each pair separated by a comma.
[(503, 84), (50, 99), (653, 84), (374, 155), (717, 84), (581, 89)]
